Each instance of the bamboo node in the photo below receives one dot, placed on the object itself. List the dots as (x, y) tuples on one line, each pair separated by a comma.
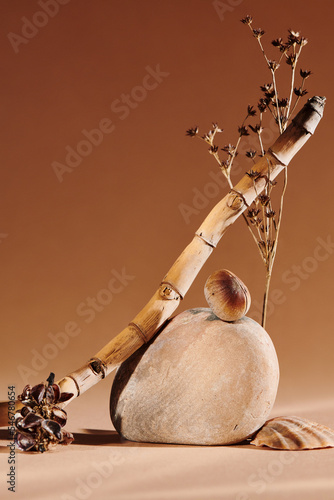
[(236, 201), (206, 241), (169, 292), (76, 383), (97, 367), (310, 115), (139, 331), (277, 158)]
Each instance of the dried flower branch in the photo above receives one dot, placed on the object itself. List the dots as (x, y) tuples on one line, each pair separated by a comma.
[(262, 220), (268, 227), (231, 150)]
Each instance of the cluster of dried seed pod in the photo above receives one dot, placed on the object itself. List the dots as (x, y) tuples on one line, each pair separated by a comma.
[(227, 296), (40, 421)]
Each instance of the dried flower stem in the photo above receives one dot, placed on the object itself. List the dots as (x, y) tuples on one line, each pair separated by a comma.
[(272, 254), (293, 73), (259, 133), (281, 110), (298, 98), (272, 66), (265, 228), (292, 87)]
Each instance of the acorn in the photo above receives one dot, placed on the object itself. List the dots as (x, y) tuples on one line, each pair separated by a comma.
[(227, 296)]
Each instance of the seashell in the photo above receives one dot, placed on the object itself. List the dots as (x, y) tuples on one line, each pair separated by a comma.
[(65, 396), (293, 433), (52, 428), (24, 442), (31, 420), (60, 416), (227, 296), (38, 392)]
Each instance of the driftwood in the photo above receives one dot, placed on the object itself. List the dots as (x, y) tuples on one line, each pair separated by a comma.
[(181, 275)]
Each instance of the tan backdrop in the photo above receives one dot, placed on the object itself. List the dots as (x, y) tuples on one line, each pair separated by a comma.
[(99, 181)]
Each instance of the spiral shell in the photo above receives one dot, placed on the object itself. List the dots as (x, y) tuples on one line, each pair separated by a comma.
[(293, 433)]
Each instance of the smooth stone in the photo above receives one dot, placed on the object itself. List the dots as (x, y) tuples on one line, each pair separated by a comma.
[(200, 381)]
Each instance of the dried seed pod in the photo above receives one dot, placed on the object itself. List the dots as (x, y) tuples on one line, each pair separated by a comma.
[(293, 433), (31, 420), (56, 390), (65, 396), (24, 411), (67, 437), (59, 416), (18, 420), (227, 296), (38, 392), (52, 394), (52, 428), (24, 442), (39, 423), (26, 394)]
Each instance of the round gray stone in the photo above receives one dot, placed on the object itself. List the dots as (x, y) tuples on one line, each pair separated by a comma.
[(201, 381)]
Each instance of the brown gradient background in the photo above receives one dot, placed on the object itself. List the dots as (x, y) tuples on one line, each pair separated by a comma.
[(120, 208)]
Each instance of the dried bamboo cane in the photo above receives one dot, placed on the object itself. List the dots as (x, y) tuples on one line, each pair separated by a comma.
[(181, 275)]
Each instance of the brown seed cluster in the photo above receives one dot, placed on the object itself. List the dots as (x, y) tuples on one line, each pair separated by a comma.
[(290, 50), (40, 422)]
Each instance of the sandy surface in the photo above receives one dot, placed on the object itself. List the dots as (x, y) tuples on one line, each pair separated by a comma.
[(99, 464)]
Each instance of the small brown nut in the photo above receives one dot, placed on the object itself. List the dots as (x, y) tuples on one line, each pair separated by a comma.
[(227, 296)]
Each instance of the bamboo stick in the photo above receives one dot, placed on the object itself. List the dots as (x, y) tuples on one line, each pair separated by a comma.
[(181, 275)]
